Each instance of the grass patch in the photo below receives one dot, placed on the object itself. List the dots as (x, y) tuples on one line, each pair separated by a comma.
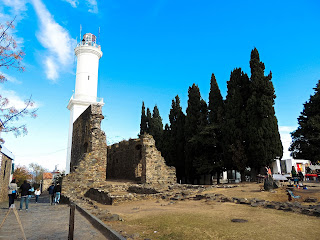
[(207, 222)]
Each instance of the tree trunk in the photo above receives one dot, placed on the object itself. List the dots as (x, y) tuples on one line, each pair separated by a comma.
[(243, 177), (253, 174), (218, 176)]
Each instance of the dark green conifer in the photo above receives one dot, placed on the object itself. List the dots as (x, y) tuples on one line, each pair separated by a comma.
[(156, 127), (203, 114), (192, 127), (216, 104), (235, 127), (306, 139), (143, 124), (167, 147), (264, 143), (148, 120), (213, 133), (177, 137)]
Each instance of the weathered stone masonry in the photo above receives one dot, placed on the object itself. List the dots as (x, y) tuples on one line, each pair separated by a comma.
[(5, 170), (88, 153), (91, 167), (139, 160), (89, 139)]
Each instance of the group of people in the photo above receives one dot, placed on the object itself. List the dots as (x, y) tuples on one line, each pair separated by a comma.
[(297, 177), (25, 191), (55, 192)]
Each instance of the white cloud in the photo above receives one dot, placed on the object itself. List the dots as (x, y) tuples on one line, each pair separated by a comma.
[(17, 6), (286, 139), (17, 11), (14, 99), (73, 3), (287, 129), (51, 71), (93, 6), (10, 78), (56, 39)]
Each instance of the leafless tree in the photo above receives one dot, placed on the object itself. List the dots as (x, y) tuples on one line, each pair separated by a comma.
[(11, 57)]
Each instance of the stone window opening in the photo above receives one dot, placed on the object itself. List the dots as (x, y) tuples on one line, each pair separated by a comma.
[(5, 167), (138, 148), (85, 147)]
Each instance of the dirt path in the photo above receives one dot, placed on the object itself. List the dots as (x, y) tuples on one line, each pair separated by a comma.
[(190, 219), (45, 221)]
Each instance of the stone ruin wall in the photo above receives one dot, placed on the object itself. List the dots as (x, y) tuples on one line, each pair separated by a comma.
[(139, 160), (124, 160), (89, 139), (88, 153), (91, 164)]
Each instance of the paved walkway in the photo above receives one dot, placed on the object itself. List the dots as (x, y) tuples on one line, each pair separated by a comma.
[(45, 221)]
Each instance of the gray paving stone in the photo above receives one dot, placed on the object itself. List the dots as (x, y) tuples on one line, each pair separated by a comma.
[(45, 221)]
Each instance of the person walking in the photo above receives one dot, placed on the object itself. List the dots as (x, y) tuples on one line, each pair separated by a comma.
[(25, 188), (37, 193), (51, 192), (13, 188), (57, 191)]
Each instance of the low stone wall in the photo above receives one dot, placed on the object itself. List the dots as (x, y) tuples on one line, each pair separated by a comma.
[(99, 196), (139, 160), (311, 210)]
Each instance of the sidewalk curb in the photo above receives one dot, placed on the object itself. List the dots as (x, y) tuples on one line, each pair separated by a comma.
[(99, 225)]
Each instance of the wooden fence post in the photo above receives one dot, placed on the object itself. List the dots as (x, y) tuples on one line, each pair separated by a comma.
[(71, 221)]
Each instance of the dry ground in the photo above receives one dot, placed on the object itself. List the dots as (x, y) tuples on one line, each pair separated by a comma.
[(158, 219)]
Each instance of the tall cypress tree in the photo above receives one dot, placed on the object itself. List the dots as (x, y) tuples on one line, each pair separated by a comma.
[(216, 105), (143, 123), (235, 134), (167, 148), (264, 142), (203, 121), (177, 137), (306, 139), (214, 132), (192, 128), (148, 120), (156, 127)]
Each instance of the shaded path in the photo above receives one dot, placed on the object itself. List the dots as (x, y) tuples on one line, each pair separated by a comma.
[(45, 221)]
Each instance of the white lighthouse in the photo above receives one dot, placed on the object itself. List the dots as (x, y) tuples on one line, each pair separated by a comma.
[(88, 54)]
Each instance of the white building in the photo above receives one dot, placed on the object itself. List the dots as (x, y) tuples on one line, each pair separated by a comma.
[(284, 166), (88, 54)]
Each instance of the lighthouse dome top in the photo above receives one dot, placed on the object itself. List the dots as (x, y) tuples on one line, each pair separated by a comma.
[(89, 40)]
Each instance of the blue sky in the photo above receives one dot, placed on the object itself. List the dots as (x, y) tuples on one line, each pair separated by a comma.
[(152, 51)]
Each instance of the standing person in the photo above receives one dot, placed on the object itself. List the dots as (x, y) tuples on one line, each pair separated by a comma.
[(269, 172), (13, 188), (293, 172), (25, 188), (300, 175), (57, 191), (51, 192), (37, 194)]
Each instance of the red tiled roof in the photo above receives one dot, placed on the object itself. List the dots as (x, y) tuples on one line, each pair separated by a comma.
[(47, 175)]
